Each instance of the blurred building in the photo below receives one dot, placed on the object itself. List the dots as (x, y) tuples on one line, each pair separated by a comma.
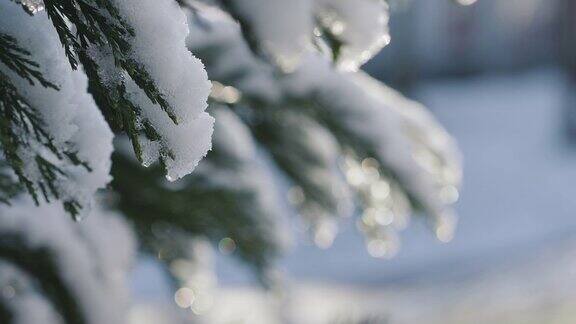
[(439, 37)]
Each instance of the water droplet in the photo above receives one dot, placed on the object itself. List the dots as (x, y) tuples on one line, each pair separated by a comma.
[(32, 6), (449, 195), (202, 303), (337, 27), (370, 163), (80, 216), (380, 190), (384, 218), (8, 292), (184, 297), (296, 196), (382, 248), (226, 94), (466, 2), (355, 176), (445, 227), (325, 233), (369, 217), (227, 246)]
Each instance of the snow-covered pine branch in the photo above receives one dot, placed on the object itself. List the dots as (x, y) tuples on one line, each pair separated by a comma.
[(180, 138), (396, 158), (309, 155), (286, 89), (282, 31), (354, 30), (229, 195), (67, 272), (53, 135), (145, 83), (276, 29), (358, 110)]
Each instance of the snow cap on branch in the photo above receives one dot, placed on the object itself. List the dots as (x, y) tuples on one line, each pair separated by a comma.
[(65, 147), (161, 27)]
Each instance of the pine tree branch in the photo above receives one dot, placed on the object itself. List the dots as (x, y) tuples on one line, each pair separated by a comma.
[(40, 263), (246, 26), (99, 23), (9, 185), (198, 209), (19, 126), (17, 59)]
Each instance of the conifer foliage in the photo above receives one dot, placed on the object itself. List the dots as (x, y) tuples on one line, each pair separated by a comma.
[(299, 130), (136, 91)]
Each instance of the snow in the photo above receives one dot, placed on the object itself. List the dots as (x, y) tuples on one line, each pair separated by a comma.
[(283, 28), (93, 256), (27, 298), (161, 27), (361, 25), (70, 115), (406, 138), (234, 56)]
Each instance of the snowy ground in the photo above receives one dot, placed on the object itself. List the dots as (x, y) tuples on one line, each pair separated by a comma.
[(513, 259)]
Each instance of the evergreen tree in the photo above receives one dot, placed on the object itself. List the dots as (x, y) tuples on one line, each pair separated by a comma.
[(290, 105)]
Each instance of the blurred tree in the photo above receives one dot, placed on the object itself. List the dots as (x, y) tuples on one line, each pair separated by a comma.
[(287, 96)]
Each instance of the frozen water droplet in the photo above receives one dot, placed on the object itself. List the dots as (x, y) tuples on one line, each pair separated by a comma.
[(32, 6), (449, 195), (325, 233), (383, 247), (296, 196), (8, 292), (466, 2), (227, 246), (184, 297), (445, 227)]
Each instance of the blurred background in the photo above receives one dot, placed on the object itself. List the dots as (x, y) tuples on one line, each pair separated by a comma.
[(500, 76)]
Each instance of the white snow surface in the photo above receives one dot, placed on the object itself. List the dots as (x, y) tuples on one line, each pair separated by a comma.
[(25, 299), (361, 26), (283, 28), (223, 34), (161, 29), (70, 115)]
